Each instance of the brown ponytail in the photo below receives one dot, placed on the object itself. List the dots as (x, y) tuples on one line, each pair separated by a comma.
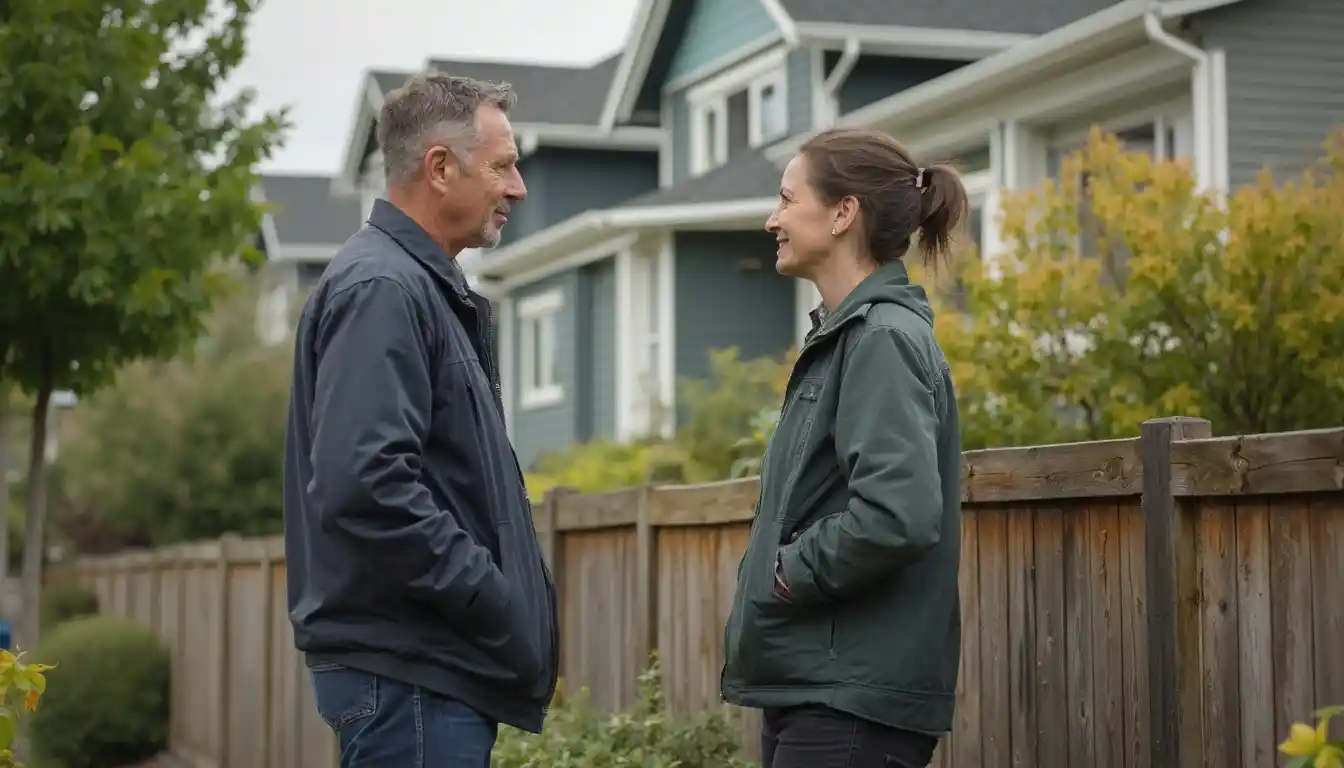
[(898, 198), (944, 206)]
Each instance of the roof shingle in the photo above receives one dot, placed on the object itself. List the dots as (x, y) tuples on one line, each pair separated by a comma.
[(547, 93), (747, 177), (305, 211)]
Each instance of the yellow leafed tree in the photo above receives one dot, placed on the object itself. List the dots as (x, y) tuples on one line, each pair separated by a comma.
[(1123, 292)]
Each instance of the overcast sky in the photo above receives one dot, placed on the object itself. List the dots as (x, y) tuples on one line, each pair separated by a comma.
[(307, 55)]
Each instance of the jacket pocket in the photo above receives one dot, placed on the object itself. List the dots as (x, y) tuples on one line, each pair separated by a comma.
[(343, 695), (524, 644)]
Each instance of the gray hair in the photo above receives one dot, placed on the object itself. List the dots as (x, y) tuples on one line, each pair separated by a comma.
[(433, 107)]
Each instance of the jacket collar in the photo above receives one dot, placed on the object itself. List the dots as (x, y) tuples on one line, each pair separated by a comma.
[(416, 241)]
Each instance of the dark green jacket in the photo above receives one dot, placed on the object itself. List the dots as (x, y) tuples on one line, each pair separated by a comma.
[(861, 496)]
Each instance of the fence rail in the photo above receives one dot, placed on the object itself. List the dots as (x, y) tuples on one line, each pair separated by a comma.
[(1166, 600)]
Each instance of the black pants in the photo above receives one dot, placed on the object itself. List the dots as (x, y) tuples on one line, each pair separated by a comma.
[(820, 737)]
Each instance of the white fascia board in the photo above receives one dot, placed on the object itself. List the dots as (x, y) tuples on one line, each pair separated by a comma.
[(922, 42), (367, 105)]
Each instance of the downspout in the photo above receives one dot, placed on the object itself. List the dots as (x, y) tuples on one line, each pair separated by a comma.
[(831, 88), (1200, 92)]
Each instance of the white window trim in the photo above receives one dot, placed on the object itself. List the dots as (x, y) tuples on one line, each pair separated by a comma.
[(778, 78), (541, 308), (701, 161), (753, 75)]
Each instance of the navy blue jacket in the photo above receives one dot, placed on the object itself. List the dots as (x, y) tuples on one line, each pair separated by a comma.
[(408, 532)]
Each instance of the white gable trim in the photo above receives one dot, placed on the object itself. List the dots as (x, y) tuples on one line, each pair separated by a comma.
[(367, 105)]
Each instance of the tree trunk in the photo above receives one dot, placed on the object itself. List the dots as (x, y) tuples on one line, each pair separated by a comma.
[(36, 516), (4, 490)]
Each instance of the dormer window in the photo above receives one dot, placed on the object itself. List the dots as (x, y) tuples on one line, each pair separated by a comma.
[(744, 108)]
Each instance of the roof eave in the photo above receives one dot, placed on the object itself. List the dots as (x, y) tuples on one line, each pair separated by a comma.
[(645, 29), (593, 226), (369, 101), (918, 42)]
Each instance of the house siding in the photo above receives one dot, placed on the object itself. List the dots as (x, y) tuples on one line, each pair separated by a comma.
[(681, 136), (586, 351), (559, 185), (595, 414), (538, 430), (1284, 70), (798, 76), (876, 77), (719, 305), (715, 29)]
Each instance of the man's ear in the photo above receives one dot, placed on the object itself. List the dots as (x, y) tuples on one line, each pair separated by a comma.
[(441, 166)]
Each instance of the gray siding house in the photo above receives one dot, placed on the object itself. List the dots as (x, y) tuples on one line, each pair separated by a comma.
[(651, 173), (305, 226)]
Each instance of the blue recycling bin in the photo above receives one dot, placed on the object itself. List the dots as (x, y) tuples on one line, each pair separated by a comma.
[(6, 635)]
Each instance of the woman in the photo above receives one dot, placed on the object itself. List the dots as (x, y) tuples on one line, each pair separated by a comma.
[(845, 627)]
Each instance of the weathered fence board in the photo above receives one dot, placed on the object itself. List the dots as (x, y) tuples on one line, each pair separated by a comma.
[(1168, 600)]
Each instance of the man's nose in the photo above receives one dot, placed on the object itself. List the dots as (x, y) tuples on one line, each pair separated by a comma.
[(517, 188)]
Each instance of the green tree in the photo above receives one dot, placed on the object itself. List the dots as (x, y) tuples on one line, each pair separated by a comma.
[(180, 449), (1125, 292), (125, 196)]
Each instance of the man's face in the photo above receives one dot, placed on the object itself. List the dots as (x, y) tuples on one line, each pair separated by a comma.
[(475, 198)]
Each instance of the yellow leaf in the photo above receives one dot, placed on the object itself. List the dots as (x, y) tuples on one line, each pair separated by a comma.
[(1303, 740), (30, 701)]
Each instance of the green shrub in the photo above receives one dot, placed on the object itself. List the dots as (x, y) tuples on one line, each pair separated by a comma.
[(578, 737), (66, 600), (108, 702)]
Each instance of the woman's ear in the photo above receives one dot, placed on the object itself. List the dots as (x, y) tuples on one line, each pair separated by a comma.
[(846, 215)]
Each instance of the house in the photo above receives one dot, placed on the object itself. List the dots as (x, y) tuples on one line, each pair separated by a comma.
[(603, 311), (308, 222), (651, 173)]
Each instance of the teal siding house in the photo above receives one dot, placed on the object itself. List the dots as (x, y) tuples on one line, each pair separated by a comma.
[(651, 173)]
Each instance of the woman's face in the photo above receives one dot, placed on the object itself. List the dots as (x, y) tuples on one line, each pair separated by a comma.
[(801, 224)]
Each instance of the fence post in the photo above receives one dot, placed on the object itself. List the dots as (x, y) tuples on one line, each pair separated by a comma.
[(553, 547), (1174, 663), (646, 579), (227, 545)]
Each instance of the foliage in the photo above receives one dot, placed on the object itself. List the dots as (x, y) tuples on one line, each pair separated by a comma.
[(602, 465), (111, 704), (181, 449), (125, 195), (727, 419), (64, 601), (753, 445), (1311, 747), (25, 682), (725, 407), (646, 736), (1124, 292)]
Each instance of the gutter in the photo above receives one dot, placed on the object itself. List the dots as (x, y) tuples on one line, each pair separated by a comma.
[(836, 80), (597, 224), (1200, 96), (935, 93)]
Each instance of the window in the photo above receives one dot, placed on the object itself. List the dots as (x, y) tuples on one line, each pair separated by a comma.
[(538, 317), (771, 112), (743, 109)]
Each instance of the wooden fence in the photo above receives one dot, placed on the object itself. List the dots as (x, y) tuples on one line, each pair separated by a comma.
[(1168, 600)]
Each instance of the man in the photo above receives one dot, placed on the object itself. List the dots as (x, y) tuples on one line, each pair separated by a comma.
[(417, 589)]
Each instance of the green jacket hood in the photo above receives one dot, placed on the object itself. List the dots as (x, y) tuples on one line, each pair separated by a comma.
[(889, 284)]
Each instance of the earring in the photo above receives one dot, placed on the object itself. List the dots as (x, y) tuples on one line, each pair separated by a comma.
[(835, 232)]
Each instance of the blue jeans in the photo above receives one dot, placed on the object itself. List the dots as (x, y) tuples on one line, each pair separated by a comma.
[(384, 723)]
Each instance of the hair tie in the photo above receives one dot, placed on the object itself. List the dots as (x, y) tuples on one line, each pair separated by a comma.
[(920, 181)]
